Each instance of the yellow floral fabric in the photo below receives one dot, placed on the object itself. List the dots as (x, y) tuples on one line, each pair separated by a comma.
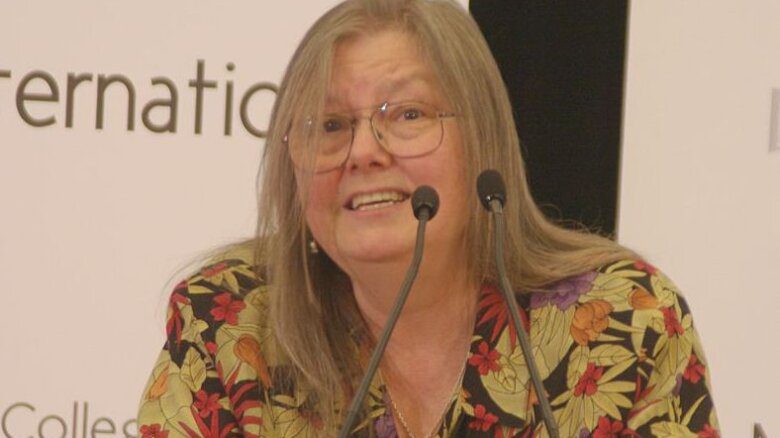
[(616, 348)]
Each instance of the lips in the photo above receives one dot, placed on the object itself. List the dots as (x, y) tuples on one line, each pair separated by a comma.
[(376, 200)]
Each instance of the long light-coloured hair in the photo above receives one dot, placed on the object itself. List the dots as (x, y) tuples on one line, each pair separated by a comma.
[(312, 310)]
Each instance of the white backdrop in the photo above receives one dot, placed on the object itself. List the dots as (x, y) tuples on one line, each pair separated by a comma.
[(94, 224), (700, 190)]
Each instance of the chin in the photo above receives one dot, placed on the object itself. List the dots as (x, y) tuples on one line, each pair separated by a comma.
[(373, 249)]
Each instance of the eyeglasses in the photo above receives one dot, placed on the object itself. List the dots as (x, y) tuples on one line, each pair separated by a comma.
[(404, 129)]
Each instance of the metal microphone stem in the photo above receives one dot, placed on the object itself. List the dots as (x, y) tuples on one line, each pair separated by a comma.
[(406, 286), (498, 219)]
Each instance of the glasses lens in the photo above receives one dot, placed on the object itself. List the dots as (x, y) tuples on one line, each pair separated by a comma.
[(321, 144), (412, 128), (334, 136), (407, 129)]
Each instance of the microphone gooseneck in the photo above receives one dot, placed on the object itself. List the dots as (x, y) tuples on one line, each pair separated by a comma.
[(492, 194), (425, 204)]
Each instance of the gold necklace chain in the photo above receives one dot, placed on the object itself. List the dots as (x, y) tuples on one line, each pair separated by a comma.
[(456, 388)]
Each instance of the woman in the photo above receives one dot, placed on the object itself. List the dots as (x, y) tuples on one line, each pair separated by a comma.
[(271, 339)]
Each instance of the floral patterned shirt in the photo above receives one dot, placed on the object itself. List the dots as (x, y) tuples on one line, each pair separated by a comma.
[(616, 348)]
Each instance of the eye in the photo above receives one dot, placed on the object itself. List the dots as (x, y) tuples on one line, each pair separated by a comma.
[(411, 114), (333, 125)]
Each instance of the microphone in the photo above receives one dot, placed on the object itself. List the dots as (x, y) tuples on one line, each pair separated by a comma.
[(492, 194), (425, 204), (425, 199), (490, 186)]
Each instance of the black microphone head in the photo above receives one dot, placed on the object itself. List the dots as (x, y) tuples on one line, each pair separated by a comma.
[(425, 197), (490, 186)]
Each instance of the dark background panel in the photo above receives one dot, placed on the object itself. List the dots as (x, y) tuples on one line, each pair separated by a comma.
[(563, 64)]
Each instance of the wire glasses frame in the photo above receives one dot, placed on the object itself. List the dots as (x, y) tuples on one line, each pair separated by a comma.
[(404, 129)]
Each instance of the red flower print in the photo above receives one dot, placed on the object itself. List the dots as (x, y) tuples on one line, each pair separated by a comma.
[(180, 286), (213, 270), (175, 320), (486, 360), (492, 303), (206, 404), (512, 432), (708, 432), (609, 429), (152, 431), (646, 267), (671, 322), (587, 384), (483, 420), (226, 308), (694, 371)]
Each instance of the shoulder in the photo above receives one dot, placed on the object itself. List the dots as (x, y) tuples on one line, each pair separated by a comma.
[(623, 336), (217, 350), (232, 268), (627, 300), (222, 287), (623, 285), (222, 291), (224, 300)]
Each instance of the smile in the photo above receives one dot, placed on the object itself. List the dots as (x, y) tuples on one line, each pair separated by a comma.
[(376, 200)]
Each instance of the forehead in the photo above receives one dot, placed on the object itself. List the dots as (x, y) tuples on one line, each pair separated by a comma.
[(378, 66)]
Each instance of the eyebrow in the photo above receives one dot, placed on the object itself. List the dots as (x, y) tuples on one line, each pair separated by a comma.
[(404, 81), (393, 84)]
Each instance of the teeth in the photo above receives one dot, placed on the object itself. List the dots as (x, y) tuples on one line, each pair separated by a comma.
[(375, 200)]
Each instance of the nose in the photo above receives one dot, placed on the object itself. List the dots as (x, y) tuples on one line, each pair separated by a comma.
[(367, 152)]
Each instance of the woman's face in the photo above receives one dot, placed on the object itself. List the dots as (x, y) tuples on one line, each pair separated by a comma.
[(367, 71)]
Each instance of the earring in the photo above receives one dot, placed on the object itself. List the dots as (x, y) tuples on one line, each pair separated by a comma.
[(313, 247)]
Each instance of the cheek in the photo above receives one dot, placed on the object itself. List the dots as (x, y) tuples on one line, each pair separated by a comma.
[(455, 189), (455, 195), (322, 204), (450, 174)]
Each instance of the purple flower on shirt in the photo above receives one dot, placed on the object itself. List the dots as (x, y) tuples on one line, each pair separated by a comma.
[(384, 426), (565, 292)]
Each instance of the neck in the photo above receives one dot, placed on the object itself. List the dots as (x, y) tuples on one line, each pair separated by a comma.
[(426, 354), (439, 311)]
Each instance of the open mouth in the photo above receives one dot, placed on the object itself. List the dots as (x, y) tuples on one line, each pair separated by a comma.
[(376, 200)]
